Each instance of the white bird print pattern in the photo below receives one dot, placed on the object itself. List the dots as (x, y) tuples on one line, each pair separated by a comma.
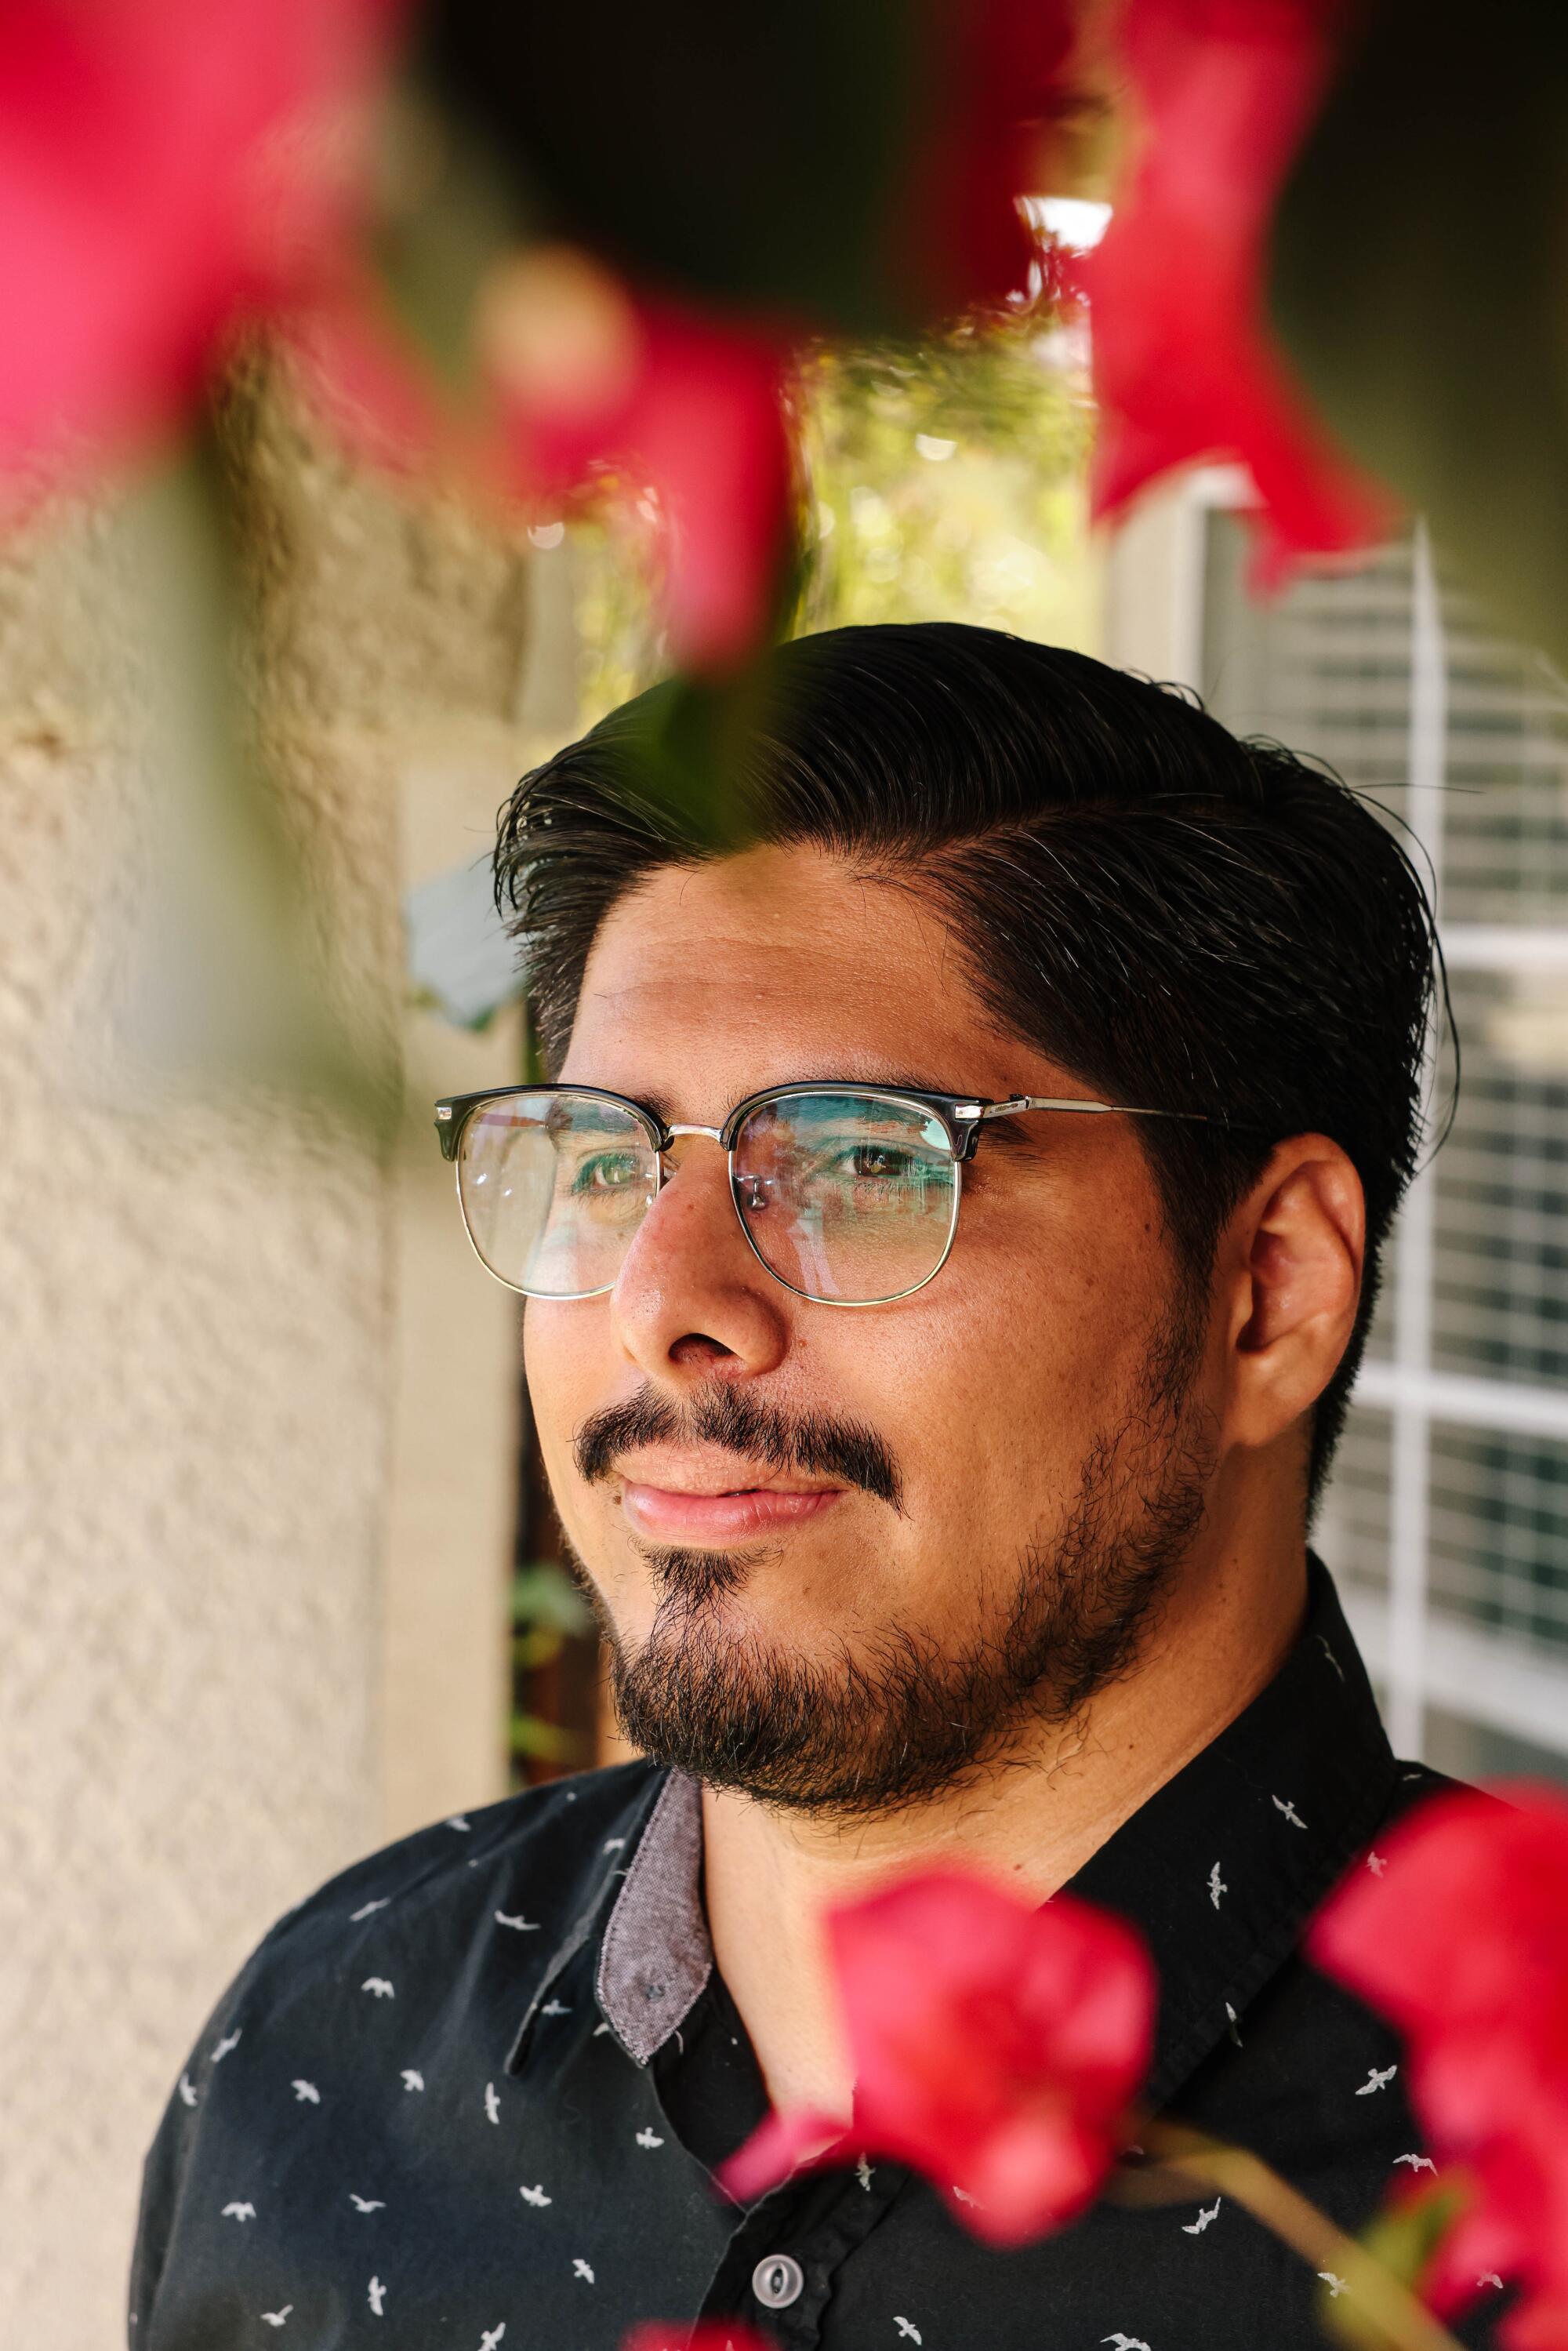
[(345, 2131), (1324, 1642), (458, 1821)]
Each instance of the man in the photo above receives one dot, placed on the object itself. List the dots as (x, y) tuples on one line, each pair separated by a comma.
[(948, 1237)]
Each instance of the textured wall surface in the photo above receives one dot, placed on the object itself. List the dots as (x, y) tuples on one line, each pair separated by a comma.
[(255, 1489)]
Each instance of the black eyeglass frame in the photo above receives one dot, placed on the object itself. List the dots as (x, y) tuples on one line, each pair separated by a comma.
[(962, 1115)]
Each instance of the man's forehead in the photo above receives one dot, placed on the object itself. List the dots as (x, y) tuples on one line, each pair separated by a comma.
[(774, 933), (800, 899), (776, 964)]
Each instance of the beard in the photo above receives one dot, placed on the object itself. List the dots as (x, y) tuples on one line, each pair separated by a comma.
[(901, 1715)]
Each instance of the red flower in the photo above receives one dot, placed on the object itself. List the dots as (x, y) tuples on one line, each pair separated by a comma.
[(992, 71), (1460, 1937), (593, 382), (996, 2047), (1185, 363), (165, 166), (709, 2335)]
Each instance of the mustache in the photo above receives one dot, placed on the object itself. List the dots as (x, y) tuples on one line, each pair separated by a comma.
[(818, 1444)]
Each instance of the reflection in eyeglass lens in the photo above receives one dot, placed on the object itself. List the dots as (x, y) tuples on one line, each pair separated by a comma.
[(845, 1196)]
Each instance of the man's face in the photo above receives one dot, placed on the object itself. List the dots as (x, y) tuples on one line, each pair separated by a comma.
[(843, 1552)]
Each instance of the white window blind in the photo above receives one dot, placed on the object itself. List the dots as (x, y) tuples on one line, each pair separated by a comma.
[(1447, 1518)]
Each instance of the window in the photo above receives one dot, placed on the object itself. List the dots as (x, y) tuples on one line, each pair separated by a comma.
[(1447, 1522)]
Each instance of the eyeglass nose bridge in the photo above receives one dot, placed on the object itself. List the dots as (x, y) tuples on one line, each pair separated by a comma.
[(715, 1134)]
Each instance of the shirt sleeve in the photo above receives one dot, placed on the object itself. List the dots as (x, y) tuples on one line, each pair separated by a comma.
[(167, 2169)]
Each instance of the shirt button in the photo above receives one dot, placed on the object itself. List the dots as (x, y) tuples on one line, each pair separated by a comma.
[(777, 2281)]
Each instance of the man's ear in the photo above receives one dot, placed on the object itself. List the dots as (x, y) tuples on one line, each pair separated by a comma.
[(1293, 1252)]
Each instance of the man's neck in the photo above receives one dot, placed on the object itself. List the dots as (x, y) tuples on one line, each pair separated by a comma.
[(1030, 1823)]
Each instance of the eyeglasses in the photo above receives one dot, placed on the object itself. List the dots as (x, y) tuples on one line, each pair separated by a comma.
[(848, 1195)]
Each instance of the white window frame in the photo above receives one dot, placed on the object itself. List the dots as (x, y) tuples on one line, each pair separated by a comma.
[(1422, 1658)]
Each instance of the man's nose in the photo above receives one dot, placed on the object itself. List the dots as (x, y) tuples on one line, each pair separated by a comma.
[(692, 1302)]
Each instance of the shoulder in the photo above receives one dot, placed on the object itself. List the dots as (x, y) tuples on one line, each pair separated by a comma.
[(1414, 1782), (472, 1909), (1417, 1785), (539, 1855), (411, 1969)]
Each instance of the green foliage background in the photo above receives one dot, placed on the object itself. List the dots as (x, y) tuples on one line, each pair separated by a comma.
[(945, 480)]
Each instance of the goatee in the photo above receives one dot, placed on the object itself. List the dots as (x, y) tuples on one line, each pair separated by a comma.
[(895, 1717)]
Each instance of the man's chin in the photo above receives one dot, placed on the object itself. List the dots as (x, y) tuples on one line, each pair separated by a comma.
[(835, 1734)]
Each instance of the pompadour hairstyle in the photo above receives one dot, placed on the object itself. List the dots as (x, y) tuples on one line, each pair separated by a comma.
[(1183, 919)]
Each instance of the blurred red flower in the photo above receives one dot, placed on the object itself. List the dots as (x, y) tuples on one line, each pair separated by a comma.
[(996, 2047), (708, 2335), (600, 377), (678, 407), (993, 72), (1185, 363), (1460, 1937), (166, 167)]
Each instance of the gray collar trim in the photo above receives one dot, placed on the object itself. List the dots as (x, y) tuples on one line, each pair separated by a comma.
[(656, 1956)]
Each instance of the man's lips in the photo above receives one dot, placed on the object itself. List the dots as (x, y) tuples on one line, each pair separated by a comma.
[(671, 1513)]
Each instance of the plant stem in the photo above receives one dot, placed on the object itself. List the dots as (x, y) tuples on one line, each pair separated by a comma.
[(1406, 2322)]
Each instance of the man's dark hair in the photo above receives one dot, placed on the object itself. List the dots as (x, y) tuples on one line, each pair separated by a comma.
[(1183, 920)]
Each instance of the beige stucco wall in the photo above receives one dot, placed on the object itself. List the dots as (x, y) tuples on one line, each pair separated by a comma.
[(256, 1402)]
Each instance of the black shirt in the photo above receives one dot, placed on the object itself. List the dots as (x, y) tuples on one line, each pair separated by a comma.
[(471, 2092)]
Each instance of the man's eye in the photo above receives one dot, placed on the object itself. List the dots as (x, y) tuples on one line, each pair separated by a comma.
[(606, 1171), (870, 1162), (883, 1164)]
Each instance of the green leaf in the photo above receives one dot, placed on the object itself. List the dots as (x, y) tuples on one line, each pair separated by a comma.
[(538, 1646), (538, 1741), (1418, 284), (1404, 2239), (544, 1595)]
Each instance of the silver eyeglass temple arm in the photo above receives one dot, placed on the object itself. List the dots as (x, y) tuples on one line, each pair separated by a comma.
[(1089, 1109)]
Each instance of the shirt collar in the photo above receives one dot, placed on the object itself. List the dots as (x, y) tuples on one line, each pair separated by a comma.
[(1219, 1869)]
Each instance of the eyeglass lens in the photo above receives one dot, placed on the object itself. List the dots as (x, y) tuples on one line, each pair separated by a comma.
[(842, 1195)]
